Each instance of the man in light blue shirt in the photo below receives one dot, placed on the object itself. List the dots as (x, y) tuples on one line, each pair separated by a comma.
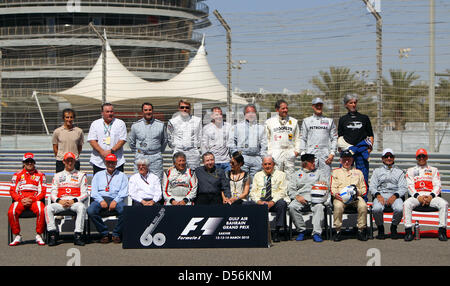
[(109, 189)]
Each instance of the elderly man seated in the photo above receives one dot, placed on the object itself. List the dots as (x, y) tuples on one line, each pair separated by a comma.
[(179, 183), (144, 187), (341, 178), (387, 186), (299, 191), (269, 188)]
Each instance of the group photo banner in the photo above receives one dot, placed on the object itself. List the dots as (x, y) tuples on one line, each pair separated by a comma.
[(218, 226)]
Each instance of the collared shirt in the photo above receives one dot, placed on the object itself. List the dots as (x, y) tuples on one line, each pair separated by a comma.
[(145, 187), (148, 137), (214, 140), (302, 181), (279, 186), (117, 187), (389, 180), (341, 178), (67, 140), (100, 131), (250, 138)]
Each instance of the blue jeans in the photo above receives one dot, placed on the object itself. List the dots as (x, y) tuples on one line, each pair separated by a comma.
[(95, 210)]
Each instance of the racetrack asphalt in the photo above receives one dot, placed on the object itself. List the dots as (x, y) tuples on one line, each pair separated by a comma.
[(349, 252)]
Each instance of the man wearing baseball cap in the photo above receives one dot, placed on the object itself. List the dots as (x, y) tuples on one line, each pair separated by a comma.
[(424, 186), (27, 191), (69, 192), (109, 189), (319, 137), (387, 186), (299, 191)]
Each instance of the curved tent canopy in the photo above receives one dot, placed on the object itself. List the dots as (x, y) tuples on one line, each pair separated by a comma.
[(196, 83)]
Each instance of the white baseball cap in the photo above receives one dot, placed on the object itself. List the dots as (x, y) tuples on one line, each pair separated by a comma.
[(388, 150), (317, 100)]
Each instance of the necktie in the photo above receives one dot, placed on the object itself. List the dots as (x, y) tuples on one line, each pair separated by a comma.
[(268, 195)]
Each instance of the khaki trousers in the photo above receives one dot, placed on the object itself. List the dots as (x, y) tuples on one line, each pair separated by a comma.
[(338, 211)]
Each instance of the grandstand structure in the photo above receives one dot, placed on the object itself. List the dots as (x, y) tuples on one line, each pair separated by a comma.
[(48, 45)]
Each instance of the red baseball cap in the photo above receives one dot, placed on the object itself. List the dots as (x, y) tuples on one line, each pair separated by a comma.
[(111, 157), (421, 151), (28, 156), (69, 155)]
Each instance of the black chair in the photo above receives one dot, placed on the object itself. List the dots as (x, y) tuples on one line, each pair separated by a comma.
[(27, 213), (348, 210), (307, 211), (286, 230)]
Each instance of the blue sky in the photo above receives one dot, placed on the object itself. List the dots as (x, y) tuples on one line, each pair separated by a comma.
[(286, 43)]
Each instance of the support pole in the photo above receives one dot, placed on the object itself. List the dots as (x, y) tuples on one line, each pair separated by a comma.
[(40, 111), (103, 39), (379, 137), (431, 88), (228, 30)]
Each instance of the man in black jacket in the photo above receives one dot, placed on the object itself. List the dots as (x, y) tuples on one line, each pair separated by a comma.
[(213, 186)]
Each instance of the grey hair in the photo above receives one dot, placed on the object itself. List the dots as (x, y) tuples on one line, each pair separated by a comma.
[(270, 157), (177, 155), (349, 97), (142, 161)]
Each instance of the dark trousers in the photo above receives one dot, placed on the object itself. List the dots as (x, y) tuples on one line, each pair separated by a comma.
[(95, 214), (60, 166), (209, 199), (98, 169), (279, 208)]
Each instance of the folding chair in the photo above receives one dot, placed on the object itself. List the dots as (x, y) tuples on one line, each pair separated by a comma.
[(25, 214)]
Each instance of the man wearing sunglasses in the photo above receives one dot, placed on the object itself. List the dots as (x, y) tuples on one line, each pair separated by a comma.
[(424, 186), (184, 133), (387, 186)]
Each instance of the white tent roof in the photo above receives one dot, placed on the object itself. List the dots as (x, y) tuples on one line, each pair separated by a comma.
[(196, 82)]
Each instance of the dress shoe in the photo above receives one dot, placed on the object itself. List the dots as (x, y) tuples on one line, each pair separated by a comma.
[(338, 236), (105, 239), (442, 234), (408, 234), (362, 235), (77, 239), (276, 237), (394, 234), (380, 234), (116, 239)]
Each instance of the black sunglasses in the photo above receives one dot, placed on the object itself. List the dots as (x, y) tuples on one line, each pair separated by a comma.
[(388, 156), (184, 107), (421, 156)]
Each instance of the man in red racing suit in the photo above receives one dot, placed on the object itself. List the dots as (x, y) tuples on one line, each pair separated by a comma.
[(27, 190)]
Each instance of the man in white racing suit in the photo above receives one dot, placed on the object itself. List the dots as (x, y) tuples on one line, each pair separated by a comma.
[(69, 191), (184, 132), (283, 138), (424, 186), (319, 137), (180, 183)]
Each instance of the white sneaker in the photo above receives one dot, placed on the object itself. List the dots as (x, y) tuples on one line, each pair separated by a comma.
[(39, 240), (16, 241)]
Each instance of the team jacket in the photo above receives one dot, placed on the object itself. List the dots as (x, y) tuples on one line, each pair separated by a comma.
[(318, 132), (388, 180), (423, 180), (69, 186), (282, 134), (341, 178), (179, 185), (26, 184), (301, 182)]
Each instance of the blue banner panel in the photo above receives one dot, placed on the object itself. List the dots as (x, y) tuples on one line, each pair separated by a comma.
[(218, 226)]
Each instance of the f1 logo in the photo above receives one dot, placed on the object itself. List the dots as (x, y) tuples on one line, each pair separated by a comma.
[(376, 4), (208, 228)]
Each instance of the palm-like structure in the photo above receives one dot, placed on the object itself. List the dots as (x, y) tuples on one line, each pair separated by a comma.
[(336, 83), (400, 97)]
